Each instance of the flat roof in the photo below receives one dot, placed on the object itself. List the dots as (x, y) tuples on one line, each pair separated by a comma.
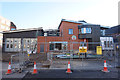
[(51, 29), (81, 22), (20, 30)]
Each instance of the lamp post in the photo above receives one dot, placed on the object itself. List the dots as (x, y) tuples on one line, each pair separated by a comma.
[(45, 34)]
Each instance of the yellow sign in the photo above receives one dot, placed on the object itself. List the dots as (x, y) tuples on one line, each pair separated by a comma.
[(82, 49), (28, 55), (99, 50)]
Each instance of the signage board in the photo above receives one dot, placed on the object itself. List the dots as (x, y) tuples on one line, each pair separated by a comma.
[(99, 50), (82, 49)]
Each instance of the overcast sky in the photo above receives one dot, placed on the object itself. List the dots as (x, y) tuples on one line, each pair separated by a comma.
[(48, 13)]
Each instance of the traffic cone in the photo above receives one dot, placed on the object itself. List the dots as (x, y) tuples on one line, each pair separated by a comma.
[(35, 69), (105, 67), (9, 69), (68, 69)]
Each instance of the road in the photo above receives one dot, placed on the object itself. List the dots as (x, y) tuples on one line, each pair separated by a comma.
[(61, 74)]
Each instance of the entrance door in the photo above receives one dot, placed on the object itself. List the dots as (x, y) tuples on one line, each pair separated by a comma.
[(42, 48)]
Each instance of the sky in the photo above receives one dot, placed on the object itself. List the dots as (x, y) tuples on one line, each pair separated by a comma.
[(48, 13)]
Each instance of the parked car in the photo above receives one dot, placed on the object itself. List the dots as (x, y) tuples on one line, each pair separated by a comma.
[(64, 56), (60, 55)]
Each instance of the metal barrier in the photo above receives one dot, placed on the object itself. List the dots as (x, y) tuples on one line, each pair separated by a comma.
[(92, 59), (55, 55)]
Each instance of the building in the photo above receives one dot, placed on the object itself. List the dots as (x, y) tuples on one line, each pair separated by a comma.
[(21, 39), (115, 33), (69, 35), (5, 25), (74, 32)]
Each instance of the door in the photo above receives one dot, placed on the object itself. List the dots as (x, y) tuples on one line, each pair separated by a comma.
[(42, 48)]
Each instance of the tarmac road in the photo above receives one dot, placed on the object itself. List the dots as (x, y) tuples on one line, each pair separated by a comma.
[(48, 74), (77, 74)]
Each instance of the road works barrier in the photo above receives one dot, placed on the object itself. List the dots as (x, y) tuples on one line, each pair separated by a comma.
[(55, 55), (35, 69), (68, 69), (105, 67), (9, 69)]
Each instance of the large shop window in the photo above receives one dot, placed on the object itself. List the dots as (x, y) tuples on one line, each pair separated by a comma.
[(30, 44), (85, 30), (14, 44), (58, 46)]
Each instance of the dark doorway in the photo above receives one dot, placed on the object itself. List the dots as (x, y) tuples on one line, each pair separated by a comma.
[(58, 46), (42, 48)]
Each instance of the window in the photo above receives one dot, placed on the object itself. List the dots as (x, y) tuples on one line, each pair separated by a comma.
[(111, 43), (24, 46), (12, 28), (88, 30), (105, 44), (7, 45), (103, 32), (85, 30), (51, 46), (64, 46), (70, 31), (108, 44), (58, 46), (15, 46), (11, 46)]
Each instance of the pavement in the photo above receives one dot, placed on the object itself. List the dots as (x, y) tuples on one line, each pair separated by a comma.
[(78, 64)]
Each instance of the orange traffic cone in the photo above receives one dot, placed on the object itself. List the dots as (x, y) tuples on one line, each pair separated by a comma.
[(68, 69), (105, 67), (9, 69), (35, 69)]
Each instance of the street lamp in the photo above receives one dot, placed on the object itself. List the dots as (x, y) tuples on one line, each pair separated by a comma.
[(45, 34)]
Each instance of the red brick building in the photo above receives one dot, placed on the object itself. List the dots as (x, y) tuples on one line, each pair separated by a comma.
[(65, 37)]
